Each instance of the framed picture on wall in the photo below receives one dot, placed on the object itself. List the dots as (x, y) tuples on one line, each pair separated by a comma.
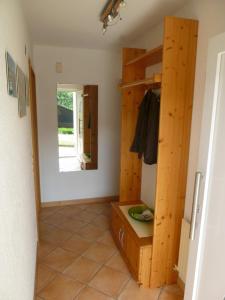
[(21, 91), (11, 75)]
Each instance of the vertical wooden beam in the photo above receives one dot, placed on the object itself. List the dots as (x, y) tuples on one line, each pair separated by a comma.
[(90, 137), (179, 56), (130, 172), (35, 149)]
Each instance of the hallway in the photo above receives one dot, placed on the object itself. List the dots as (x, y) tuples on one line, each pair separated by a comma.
[(78, 260)]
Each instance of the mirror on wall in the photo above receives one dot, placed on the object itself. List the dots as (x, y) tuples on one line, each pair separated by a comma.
[(77, 107)]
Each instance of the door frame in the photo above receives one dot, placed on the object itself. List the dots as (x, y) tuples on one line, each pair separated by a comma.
[(196, 250), (35, 148)]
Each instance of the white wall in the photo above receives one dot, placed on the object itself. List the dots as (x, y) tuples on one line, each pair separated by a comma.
[(148, 184), (149, 172), (80, 66), (211, 22), (18, 234)]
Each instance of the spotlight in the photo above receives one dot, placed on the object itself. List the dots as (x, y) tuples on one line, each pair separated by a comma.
[(110, 12), (104, 28), (123, 3), (110, 18)]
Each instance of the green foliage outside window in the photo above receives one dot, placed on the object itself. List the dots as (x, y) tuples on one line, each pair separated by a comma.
[(66, 130), (65, 99)]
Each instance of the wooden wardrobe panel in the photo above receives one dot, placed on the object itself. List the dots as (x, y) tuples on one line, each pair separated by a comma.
[(130, 175), (179, 55), (90, 135), (35, 148)]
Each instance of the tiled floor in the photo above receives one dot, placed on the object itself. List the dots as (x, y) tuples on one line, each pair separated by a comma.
[(78, 260)]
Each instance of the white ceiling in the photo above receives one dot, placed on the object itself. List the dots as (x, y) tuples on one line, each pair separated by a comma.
[(76, 23)]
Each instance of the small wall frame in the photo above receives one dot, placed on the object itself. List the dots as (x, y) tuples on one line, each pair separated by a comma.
[(11, 75)]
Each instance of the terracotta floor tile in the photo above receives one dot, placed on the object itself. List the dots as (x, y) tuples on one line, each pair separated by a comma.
[(44, 276), (166, 296), (173, 289), (107, 211), (56, 219), (102, 222), (107, 239), (76, 244), (61, 288), (91, 232), (83, 206), (86, 216), (44, 249), (117, 263), (133, 292), (62, 249), (99, 252), (59, 259), (171, 293), (56, 236), (73, 225), (96, 208), (44, 227), (82, 269), (89, 293), (47, 211), (71, 210), (109, 281)]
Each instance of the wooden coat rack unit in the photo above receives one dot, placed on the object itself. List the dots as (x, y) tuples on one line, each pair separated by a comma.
[(178, 56)]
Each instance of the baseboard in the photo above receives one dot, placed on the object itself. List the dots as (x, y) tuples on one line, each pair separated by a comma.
[(80, 201), (36, 267), (180, 283)]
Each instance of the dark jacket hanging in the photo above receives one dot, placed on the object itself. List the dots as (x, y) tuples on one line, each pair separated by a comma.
[(147, 129)]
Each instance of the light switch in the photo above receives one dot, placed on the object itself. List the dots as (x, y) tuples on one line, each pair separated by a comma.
[(59, 67)]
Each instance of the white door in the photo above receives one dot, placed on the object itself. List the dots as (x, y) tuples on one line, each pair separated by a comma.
[(206, 265)]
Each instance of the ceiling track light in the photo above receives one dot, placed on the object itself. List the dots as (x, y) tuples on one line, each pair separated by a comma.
[(104, 28), (110, 18), (110, 12), (123, 3)]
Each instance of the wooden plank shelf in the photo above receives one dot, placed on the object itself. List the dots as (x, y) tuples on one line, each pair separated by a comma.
[(154, 82), (149, 58)]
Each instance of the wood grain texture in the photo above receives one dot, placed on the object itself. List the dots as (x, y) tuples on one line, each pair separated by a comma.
[(130, 174), (36, 272), (135, 251), (90, 130), (151, 82), (145, 265), (34, 130), (150, 57), (179, 55)]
